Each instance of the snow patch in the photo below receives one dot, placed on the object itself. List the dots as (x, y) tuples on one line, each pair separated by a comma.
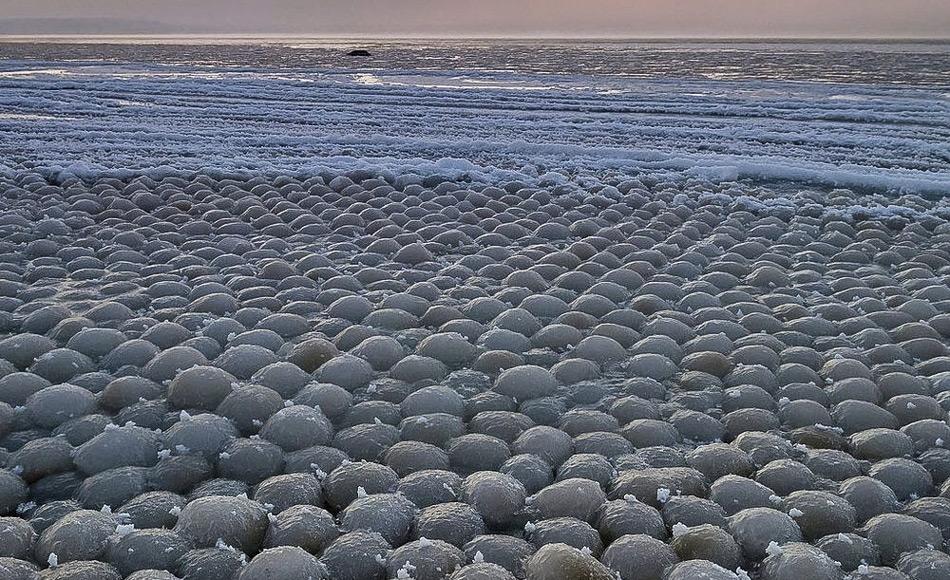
[(773, 549)]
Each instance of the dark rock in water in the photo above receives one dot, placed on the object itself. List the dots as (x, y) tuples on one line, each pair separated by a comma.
[(359, 52)]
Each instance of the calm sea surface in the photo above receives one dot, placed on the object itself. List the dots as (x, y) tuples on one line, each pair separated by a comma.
[(922, 63)]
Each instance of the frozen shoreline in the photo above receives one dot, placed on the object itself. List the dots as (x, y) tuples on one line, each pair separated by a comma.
[(395, 323)]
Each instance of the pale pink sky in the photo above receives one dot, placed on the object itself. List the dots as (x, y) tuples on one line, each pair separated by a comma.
[(518, 17)]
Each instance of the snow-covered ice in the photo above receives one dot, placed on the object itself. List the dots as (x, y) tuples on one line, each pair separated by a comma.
[(83, 117)]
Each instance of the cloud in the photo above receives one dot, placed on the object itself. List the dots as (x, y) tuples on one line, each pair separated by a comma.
[(514, 17)]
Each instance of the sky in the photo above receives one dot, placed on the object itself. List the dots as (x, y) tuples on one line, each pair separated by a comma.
[(630, 18)]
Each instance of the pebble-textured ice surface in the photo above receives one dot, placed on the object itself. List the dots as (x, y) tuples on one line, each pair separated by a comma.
[(366, 376)]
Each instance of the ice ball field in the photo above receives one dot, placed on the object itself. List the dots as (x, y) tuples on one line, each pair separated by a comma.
[(266, 318), (356, 378)]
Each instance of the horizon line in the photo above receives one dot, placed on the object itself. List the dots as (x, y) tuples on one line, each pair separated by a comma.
[(276, 36)]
